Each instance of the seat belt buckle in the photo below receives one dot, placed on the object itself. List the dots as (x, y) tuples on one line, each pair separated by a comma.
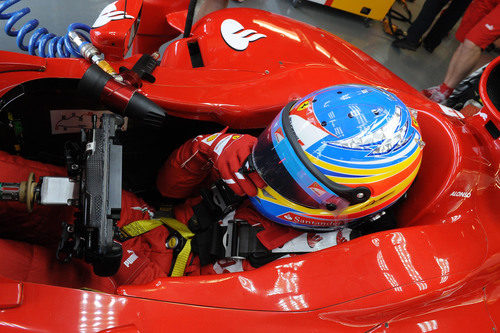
[(230, 240), (240, 240)]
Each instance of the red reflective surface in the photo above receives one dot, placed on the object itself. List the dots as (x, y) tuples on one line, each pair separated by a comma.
[(241, 89), (438, 271), (115, 37)]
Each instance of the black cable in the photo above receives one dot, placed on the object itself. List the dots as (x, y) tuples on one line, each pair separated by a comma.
[(189, 18), (398, 16)]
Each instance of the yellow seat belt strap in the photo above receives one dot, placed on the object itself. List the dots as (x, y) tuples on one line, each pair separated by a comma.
[(140, 227), (183, 256)]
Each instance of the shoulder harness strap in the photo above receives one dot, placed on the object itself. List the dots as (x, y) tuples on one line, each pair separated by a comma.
[(140, 227)]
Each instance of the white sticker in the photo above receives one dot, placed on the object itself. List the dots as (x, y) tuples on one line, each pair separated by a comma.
[(220, 146), (72, 121), (311, 242), (451, 112), (460, 194), (131, 258), (110, 13), (228, 265), (236, 36)]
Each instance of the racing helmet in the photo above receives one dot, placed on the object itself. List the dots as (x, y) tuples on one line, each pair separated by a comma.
[(337, 155)]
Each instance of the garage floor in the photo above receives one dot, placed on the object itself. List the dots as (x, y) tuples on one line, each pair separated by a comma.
[(421, 69)]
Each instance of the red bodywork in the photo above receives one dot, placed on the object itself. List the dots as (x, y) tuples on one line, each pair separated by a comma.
[(439, 270)]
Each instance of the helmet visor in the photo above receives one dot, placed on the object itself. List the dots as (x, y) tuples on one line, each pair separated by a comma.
[(271, 167)]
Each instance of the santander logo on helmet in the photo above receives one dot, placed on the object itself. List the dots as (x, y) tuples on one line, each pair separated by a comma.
[(342, 153), (236, 36)]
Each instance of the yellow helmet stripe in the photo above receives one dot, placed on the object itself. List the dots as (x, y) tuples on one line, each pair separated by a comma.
[(364, 172), (279, 200), (376, 200), (366, 180), (384, 197)]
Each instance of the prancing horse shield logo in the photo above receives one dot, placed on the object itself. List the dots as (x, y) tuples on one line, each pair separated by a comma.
[(236, 36)]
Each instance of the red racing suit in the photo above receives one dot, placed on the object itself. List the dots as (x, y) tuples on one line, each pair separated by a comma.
[(29, 239), (481, 23)]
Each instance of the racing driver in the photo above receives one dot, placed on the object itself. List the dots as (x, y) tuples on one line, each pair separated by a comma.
[(340, 155)]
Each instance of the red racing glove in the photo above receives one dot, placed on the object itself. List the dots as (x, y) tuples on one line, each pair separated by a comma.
[(228, 154)]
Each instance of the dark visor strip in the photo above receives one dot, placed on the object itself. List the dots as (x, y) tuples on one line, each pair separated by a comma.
[(353, 195)]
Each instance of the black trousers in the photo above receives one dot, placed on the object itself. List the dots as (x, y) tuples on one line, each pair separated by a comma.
[(443, 25)]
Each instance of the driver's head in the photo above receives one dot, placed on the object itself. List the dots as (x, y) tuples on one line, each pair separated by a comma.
[(338, 154)]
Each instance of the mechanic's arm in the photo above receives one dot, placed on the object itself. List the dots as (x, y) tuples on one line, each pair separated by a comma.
[(205, 7), (204, 159)]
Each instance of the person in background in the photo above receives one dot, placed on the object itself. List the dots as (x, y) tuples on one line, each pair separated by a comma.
[(479, 28), (440, 29)]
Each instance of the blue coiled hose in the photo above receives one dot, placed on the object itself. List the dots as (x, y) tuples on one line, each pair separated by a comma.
[(42, 41)]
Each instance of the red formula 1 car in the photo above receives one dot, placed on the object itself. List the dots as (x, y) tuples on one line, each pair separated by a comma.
[(439, 270)]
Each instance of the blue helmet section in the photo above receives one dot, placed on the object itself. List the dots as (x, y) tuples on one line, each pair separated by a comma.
[(357, 136), (344, 110)]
